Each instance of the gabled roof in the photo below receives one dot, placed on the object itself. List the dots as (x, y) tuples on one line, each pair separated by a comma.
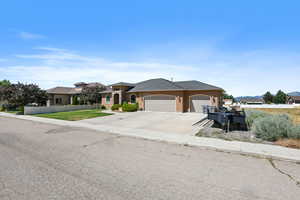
[(64, 90), (196, 85), (166, 85), (155, 85), (123, 84)]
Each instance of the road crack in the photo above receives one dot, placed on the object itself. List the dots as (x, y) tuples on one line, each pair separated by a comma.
[(101, 141), (282, 172)]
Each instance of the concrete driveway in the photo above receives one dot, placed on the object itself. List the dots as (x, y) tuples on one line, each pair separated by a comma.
[(168, 122)]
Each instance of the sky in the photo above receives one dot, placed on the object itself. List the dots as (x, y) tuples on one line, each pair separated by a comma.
[(245, 47)]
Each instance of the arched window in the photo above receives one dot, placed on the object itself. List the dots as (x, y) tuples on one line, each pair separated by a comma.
[(107, 99), (133, 98)]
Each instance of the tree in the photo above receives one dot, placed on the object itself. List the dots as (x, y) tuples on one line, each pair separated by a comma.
[(91, 94), (227, 96), (280, 98), (19, 95), (5, 83), (268, 97)]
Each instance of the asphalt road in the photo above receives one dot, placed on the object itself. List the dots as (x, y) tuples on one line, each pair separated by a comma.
[(41, 161)]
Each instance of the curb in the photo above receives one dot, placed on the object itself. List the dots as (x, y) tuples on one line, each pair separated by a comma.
[(244, 148)]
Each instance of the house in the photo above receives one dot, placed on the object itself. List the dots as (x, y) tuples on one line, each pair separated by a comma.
[(64, 95), (151, 95), (294, 98), (164, 95)]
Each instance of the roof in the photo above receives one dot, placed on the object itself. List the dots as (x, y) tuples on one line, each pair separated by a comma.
[(196, 85), (64, 90), (95, 84), (123, 84), (108, 90), (166, 85)]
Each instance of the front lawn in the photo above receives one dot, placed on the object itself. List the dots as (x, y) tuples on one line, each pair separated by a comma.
[(74, 115)]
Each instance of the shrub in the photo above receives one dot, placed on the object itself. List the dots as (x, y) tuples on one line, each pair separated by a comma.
[(75, 100), (253, 115), (130, 107), (272, 127), (115, 107), (21, 110), (294, 133), (103, 107)]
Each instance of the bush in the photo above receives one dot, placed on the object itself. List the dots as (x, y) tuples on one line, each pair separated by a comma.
[(116, 107), (253, 115), (75, 100), (103, 107), (21, 110), (294, 133), (130, 107), (272, 127)]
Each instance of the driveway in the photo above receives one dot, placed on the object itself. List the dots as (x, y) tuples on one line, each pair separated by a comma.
[(168, 122)]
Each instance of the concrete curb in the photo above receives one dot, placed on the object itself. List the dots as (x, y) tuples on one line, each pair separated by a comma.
[(261, 150)]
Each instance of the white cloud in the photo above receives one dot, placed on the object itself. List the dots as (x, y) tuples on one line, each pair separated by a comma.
[(30, 36), (249, 73)]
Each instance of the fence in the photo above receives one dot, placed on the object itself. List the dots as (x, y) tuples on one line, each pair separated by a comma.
[(271, 106), (29, 110)]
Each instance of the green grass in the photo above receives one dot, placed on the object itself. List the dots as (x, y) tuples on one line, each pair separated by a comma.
[(74, 115)]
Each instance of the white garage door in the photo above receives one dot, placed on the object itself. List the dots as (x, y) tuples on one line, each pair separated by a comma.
[(197, 103), (161, 103)]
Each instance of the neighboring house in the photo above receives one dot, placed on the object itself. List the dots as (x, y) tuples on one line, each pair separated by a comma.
[(164, 95), (64, 95), (294, 98)]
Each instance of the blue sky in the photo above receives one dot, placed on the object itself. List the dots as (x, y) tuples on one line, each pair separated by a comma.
[(245, 47)]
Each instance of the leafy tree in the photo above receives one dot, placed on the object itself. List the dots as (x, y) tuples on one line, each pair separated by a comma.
[(91, 94), (5, 83), (19, 95), (280, 98), (227, 96), (268, 97)]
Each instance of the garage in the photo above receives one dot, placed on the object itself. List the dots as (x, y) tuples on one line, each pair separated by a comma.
[(161, 103), (197, 102)]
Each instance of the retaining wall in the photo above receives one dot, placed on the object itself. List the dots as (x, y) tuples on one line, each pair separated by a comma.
[(28, 110)]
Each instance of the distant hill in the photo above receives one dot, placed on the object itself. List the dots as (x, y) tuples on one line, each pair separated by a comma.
[(294, 94), (247, 97)]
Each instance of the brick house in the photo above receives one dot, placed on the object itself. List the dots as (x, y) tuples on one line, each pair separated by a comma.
[(164, 95)]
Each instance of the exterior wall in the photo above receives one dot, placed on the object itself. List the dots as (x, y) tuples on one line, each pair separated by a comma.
[(103, 100), (178, 96), (182, 98), (215, 98), (66, 99), (51, 109)]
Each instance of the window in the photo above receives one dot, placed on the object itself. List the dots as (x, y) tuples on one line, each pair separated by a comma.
[(133, 99), (107, 99)]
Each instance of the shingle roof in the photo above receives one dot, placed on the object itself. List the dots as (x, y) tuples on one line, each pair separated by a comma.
[(64, 90), (166, 85), (123, 84), (196, 85)]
